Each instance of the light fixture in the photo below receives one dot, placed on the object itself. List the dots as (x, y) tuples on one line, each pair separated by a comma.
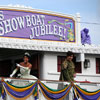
[(86, 63)]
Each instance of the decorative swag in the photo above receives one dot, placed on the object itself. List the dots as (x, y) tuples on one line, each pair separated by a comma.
[(24, 92)]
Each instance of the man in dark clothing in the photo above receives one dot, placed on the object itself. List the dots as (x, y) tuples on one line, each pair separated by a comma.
[(67, 71), (67, 68)]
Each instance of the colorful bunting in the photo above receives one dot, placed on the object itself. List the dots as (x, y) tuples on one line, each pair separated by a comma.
[(52, 94), (20, 92), (86, 95), (24, 92)]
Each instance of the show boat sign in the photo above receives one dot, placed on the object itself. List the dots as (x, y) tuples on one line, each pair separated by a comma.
[(36, 25)]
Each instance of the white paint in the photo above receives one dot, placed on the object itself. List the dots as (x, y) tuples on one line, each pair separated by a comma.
[(49, 68), (80, 57), (49, 63), (78, 34), (92, 69)]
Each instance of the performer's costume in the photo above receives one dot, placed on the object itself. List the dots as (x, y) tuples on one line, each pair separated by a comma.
[(67, 74), (24, 73), (67, 71)]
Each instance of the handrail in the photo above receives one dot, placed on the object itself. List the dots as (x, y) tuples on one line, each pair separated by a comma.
[(26, 79)]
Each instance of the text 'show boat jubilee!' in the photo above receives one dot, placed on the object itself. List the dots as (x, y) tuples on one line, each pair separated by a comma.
[(35, 25)]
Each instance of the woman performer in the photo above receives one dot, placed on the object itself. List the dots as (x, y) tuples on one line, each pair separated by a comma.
[(25, 68)]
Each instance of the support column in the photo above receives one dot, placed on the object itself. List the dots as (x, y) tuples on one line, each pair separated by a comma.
[(78, 33)]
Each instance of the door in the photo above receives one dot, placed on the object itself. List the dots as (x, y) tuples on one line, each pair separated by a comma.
[(5, 68)]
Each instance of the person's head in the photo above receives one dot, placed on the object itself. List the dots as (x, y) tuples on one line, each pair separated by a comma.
[(86, 30), (26, 57), (70, 56)]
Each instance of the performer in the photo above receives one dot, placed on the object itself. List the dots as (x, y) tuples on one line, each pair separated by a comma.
[(67, 71), (67, 68), (25, 68)]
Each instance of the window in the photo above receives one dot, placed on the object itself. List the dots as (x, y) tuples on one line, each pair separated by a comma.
[(97, 65), (60, 60), (77, 64)]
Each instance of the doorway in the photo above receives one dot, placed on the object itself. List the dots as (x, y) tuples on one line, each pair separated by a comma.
[(9, 58)]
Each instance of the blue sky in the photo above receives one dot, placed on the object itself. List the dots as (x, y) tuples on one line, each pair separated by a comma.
[(88, 9)]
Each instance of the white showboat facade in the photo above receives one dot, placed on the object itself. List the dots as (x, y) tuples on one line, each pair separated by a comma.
[(47, 54)]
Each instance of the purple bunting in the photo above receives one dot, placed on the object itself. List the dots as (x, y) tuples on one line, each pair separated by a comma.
[(88, 97), (54, 96), (19, 94)]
